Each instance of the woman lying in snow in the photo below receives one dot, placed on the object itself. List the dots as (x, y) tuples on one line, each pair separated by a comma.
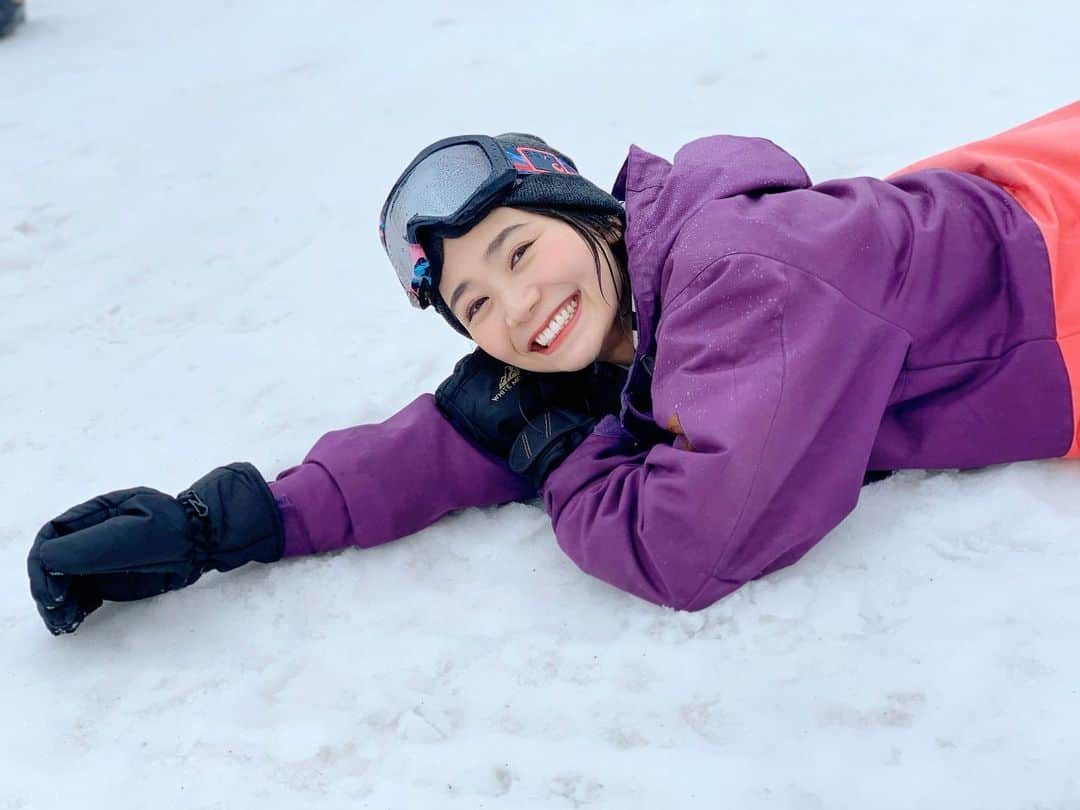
[(695, 372)]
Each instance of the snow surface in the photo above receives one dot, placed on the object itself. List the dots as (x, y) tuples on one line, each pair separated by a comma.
[(190, 275)]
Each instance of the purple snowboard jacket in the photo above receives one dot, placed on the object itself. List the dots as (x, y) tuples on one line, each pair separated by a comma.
[(790, 337)]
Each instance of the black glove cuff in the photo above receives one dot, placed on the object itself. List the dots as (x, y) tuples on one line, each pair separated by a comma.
[(240, 517), (544, 443)]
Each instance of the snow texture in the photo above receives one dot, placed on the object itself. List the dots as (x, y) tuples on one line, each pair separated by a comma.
[(190, 275)]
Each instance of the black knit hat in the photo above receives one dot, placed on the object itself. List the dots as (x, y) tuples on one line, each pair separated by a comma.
[(567, 192)]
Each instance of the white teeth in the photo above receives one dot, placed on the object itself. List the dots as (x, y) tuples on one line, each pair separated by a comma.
[(557, 323)]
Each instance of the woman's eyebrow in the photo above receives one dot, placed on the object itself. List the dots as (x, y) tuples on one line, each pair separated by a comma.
[(497, 242)]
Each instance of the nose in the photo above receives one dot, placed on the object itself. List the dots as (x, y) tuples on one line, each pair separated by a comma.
[(521, 301)]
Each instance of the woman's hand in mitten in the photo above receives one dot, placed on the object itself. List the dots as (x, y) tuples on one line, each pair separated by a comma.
[(121, 546), (489, 402), (135, 543), (531, 420)]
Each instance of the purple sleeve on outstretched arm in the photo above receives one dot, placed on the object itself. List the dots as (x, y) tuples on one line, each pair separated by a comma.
[(370, 484)]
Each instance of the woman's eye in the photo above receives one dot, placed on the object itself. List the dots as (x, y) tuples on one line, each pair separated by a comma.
[(473, 308), (517, 255)]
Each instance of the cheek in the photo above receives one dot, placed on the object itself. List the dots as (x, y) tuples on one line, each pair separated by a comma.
[(490, 338), (607, 289), (590, 279)]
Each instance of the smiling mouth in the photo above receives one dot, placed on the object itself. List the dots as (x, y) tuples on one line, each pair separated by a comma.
[(548, 338)]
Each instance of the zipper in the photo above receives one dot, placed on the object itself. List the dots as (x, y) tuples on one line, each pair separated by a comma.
[(193, 503)]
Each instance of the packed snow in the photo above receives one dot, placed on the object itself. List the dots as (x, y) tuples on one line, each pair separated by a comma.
[(190, 275)]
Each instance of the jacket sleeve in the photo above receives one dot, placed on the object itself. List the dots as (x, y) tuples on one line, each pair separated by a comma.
[(369, 484), (774, 384)]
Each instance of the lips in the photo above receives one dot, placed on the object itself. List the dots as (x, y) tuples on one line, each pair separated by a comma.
[(539, 349)]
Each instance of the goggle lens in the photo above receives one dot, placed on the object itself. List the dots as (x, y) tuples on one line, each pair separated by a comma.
[(439, 186)]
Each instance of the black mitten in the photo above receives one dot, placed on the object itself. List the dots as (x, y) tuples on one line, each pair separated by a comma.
[(489, 402), (135, 543), (544, 443)]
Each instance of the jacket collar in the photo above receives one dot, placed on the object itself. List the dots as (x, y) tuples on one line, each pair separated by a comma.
[(661, 196)]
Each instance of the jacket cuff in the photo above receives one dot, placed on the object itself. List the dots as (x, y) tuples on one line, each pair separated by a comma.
[(312, 510)]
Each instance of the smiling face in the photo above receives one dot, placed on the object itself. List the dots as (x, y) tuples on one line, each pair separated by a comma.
[(525, 286)]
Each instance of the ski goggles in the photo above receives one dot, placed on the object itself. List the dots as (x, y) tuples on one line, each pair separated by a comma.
[(450, 186)]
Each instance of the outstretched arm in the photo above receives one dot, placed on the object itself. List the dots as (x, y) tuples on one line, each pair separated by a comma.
[(363, 485), (370, 484)]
